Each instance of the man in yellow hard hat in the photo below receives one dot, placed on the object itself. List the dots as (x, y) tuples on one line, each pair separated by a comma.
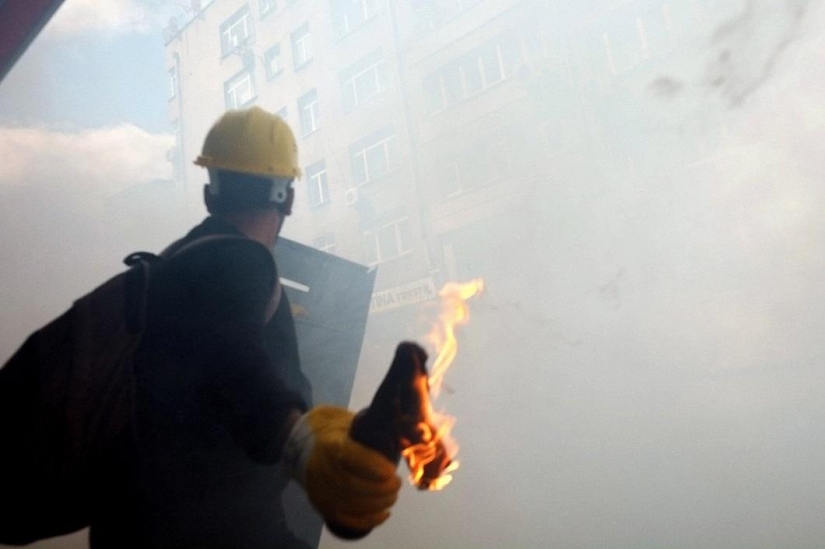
[(214, 419)]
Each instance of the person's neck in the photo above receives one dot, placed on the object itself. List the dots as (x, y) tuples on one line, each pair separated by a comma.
[(261, 226)]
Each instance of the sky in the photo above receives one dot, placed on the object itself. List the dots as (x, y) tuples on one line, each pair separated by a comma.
[(117, 49), (82, 118), (645, 368)]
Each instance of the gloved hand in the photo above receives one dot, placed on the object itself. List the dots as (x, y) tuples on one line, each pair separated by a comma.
[(349, 484)]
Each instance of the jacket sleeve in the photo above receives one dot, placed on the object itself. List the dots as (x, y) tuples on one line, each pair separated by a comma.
[(231, 284), (281, 343)]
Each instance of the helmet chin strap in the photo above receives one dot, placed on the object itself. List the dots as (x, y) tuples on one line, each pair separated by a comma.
[(278, 194)]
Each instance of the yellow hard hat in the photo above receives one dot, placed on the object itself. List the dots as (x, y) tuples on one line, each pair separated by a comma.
[(251, 141)]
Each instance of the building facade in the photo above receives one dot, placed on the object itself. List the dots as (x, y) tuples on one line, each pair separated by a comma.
[(440, 139)]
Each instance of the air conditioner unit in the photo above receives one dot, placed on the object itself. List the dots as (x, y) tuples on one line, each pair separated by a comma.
[(351, 195)]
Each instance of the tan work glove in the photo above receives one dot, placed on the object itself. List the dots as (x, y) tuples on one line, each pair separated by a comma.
[(349, 484)]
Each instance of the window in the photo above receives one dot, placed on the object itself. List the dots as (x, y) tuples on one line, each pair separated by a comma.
[(349, 14), (510, 54), (267, 6), (432, 15), (308, 112), (173, 82), (301, 46), (235, 31), (481, 163), (471, 74), (325, 243), (272, 61), (282, 114), (373, 156), (317, 187), (654, 23), (239, 90), (492, 68), (626, 45), (387, 240), (364, 80), (453, 88)]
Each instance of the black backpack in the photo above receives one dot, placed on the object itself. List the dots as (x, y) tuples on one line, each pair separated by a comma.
[(67, 401)]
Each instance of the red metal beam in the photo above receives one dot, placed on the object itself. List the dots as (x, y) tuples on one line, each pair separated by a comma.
[(20, 22)]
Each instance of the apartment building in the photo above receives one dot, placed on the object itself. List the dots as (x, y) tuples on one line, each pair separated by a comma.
[(331, 70), (629, 58), (436, 136), (477, 72)]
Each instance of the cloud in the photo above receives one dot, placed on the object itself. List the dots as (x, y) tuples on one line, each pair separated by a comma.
[(65, 226), (116, 16), (97, 162)]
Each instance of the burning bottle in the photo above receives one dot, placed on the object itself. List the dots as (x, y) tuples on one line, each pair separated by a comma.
[(400, 421)]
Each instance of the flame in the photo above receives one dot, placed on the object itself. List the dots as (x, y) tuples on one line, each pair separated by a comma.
[(454, 312), (431, 457)]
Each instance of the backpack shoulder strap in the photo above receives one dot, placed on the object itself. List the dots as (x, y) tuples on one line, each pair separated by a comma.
[(142, 263), (180, 247), (135, 258), (135, 284)]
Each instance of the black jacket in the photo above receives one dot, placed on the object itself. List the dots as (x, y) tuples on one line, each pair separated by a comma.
[(210, 400)]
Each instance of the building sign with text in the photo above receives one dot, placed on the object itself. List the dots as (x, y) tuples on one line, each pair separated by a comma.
[(406, 294)]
